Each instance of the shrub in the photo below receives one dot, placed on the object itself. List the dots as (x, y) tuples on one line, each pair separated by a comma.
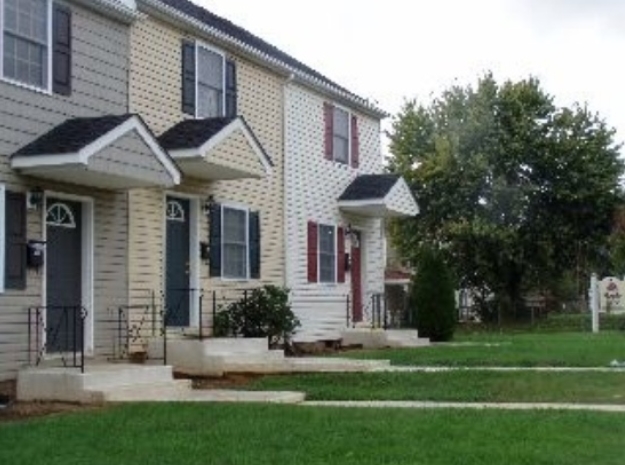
[(432, 298), (263, 312)]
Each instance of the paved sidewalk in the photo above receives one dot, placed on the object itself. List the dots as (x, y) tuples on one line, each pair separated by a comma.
[(464, 405)]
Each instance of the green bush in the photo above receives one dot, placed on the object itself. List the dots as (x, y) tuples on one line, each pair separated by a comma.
[(263, 312), (432, 298)]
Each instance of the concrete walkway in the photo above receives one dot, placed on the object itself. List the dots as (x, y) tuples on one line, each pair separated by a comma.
[(464, 405)]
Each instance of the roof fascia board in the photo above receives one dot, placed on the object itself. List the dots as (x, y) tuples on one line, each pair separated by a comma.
[(112, 8)]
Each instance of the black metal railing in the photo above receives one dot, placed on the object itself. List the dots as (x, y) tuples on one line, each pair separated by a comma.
[(57, 333), (178, 304)]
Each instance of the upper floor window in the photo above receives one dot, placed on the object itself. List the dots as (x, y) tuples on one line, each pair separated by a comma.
[(26, 41), (35, 44), (340, 135), (208, 82), (342, 144)]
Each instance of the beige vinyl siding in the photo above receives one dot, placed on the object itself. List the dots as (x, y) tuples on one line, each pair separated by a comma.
[(155, 93), (99, 87)]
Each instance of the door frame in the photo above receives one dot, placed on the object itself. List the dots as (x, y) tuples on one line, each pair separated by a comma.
[(194, 250), (87, 257), (361, 271)]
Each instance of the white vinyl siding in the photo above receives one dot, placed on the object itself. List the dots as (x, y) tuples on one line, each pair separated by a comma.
[(235, 243), (26, 36), (327, 254), (2, 235), (210, 83)]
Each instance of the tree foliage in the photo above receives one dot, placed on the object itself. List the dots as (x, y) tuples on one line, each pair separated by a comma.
[(432, 298), (515, 189)]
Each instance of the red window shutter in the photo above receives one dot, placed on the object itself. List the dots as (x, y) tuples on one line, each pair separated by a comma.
[(312, 251), (328, 117), (340, 256), (355, 143)]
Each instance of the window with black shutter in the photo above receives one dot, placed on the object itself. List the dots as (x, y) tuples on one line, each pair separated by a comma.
[(62, 50), (15, 241)]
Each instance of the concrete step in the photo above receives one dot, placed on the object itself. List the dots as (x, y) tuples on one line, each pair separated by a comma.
[(171, 390), (70, 385), (378, 338)]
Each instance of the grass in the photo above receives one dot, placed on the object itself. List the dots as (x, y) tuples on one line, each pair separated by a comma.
[(164, 434), (523, 350), (460, 386)]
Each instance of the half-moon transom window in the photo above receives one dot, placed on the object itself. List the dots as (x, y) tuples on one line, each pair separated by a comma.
[(59, 214), (175, 212)]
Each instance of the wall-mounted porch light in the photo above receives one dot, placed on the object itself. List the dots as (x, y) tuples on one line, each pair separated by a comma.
[(34, 198)]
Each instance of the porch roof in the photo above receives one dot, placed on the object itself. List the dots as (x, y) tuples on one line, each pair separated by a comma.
[(109, 152), (379, 196), (217, 148)]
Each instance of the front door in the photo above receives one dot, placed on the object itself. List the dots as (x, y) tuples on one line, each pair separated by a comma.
[(356, 275), (64, 329), (177, 274)]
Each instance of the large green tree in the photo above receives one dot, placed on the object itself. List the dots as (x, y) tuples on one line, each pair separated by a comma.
[(514, 189)]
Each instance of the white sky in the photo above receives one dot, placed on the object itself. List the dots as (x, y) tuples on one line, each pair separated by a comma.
[(390, 50)]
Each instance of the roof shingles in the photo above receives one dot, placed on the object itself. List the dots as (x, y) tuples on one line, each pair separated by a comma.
[(369, 186)]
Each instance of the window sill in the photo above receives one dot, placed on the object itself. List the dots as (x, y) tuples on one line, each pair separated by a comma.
[(39, 90)]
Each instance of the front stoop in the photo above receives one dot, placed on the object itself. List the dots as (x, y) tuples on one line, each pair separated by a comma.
[(374, 338), (100, 383), (215, 357)]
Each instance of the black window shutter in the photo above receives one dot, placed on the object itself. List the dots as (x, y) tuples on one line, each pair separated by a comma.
[(231, 88), (214, 235), (62, 50), (254, 237), (188, 78), (15, 241)]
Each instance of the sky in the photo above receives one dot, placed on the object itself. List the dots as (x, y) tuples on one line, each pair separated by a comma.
[(393, 50)]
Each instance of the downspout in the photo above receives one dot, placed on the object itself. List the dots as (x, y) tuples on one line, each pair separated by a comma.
[(286, 169)]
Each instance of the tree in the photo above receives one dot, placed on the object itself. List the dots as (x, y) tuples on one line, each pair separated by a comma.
[(432, 298), (515, 190)]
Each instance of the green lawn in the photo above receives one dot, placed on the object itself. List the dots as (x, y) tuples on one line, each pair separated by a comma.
[(192, 434), (524, 350), (460, 386)]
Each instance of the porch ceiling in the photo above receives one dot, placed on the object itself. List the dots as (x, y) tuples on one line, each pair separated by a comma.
[(217, 149), (111, 152), (378, 196)]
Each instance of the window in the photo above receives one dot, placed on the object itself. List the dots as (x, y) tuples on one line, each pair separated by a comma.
[(210, 83), (209, 86), (327, 254), (26, 41), (234, 243), (340, 136)]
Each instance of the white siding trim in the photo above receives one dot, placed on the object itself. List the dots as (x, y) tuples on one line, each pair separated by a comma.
[(2, 235)]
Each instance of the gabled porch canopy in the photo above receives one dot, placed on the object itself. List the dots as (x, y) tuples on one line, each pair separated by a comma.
[(217, 149), (108, 152), (378, 196)]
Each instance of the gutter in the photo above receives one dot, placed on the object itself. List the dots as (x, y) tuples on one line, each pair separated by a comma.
[(168, 13), (122, 10)]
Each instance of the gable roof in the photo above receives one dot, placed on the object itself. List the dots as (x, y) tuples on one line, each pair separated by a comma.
[(369, 186), (244, 39), (72, 135)]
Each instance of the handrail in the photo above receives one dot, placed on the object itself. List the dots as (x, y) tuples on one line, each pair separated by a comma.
[(57, 329)]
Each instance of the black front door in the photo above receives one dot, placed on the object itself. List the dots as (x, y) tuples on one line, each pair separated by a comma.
[(177, 274), (63, 275)]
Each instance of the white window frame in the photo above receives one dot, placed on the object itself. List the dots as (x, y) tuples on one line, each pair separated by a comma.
[(48, 88), (319, 226), (205, 46), (348, 162), (232, 206), (2, 235)]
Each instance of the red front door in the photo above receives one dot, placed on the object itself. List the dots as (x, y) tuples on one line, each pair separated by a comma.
[(356, 275)]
